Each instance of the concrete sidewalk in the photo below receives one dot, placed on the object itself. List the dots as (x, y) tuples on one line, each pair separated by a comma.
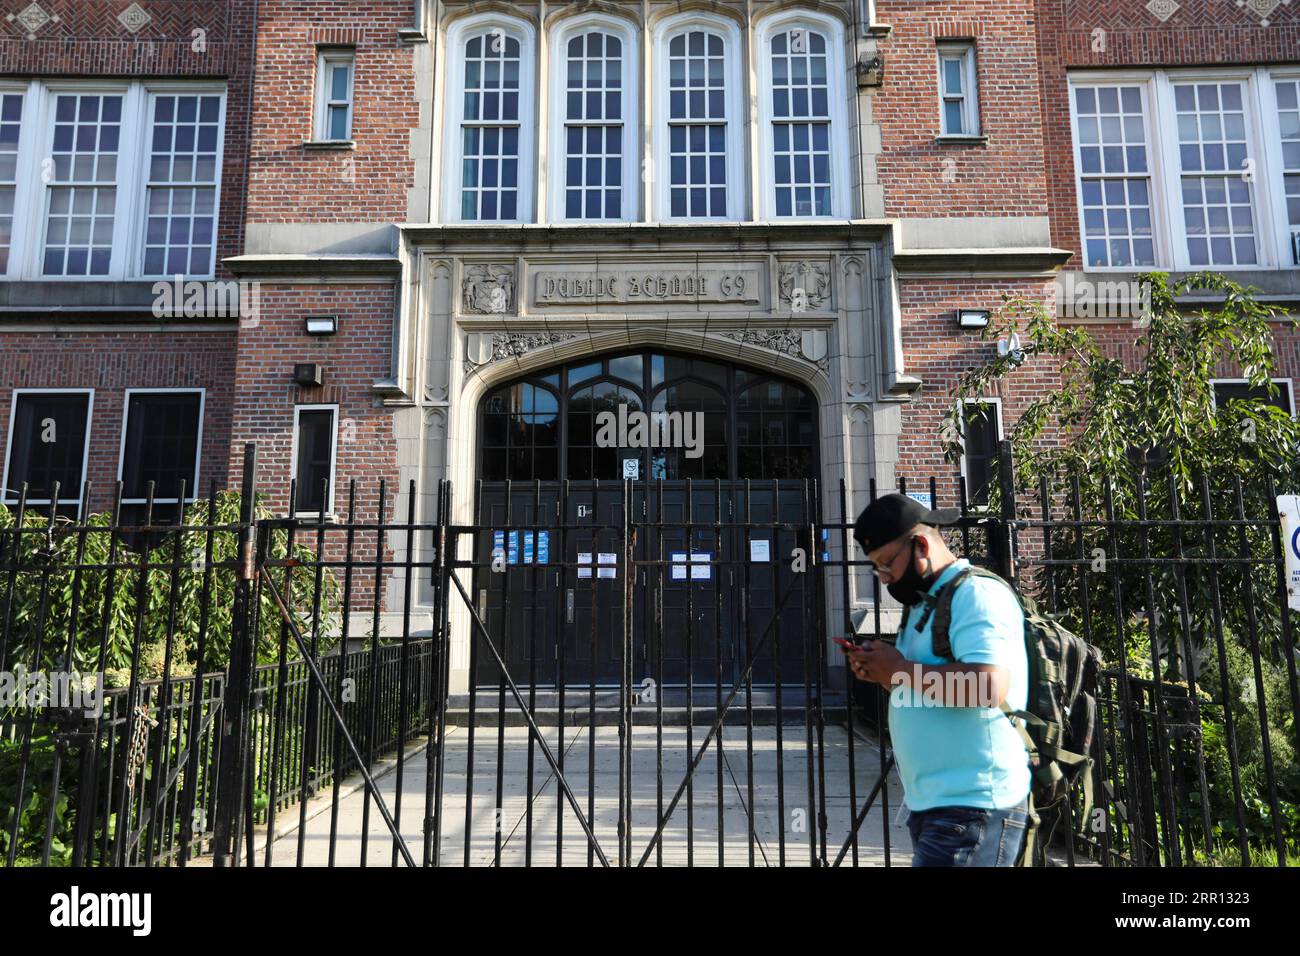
[(792, 823)]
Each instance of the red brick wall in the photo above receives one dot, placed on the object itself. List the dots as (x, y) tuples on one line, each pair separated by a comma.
[(353, 359), (939, 353), (111, 362), (87, 39), (923, 177), (1201, 32), (294, 184)]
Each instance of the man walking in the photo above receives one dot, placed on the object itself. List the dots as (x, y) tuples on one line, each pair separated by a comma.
[(964, 767)]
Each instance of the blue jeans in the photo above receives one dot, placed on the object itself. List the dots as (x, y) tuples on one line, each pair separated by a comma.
[(967, 836)]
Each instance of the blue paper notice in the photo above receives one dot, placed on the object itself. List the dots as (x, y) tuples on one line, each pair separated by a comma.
[(543, 547)]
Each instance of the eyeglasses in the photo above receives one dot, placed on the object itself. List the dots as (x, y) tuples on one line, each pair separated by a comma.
[(877, 568)]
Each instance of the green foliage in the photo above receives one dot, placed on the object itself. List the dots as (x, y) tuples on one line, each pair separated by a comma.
[(1143, 440), (171, 581)]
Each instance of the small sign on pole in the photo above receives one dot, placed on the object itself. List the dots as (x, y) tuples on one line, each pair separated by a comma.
[(1288, 508)]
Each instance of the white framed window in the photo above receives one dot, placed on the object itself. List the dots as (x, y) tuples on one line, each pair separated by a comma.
[(1226, 389), (334, 85), (699, 143), (110, 180), (1113, 162), (803, 120), (181, 191), (981, 432), (315, 447), (594, 120), (11, 123), (489, 120), (1187, 169), (959, 113), (162, 440), (48, 444), (1286, 104)]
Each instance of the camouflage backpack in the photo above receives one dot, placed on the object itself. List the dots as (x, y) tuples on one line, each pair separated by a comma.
[(1060, 719)]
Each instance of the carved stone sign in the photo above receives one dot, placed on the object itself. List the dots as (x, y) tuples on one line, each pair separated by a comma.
[(645, 286), (488, 289)]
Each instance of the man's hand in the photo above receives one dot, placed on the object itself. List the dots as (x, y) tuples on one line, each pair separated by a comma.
[(876, 661)]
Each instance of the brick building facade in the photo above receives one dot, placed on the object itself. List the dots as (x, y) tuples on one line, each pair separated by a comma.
[(773, 210)]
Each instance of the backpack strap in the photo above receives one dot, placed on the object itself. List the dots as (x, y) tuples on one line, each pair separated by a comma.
[(939, 642)]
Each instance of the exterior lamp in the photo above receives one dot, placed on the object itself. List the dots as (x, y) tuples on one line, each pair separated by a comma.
[(322, 324)]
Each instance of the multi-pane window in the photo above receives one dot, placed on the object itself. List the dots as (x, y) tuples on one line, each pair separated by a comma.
[(981, 431), (1188, 169), (1288, 118), (11, 114), (47, 446), (83, 191), (1215, 162), (182, 190), (490, 128), (593, 126), (1115, 176), (959, 111), (521, 431), (160, 444), (314, 449), (334, 84), (118, 181), (801, 123), (697, 125)]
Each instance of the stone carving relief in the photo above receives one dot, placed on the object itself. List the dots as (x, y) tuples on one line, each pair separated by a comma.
[(807, 344), (804, 285), (488, 289), (484, 348)]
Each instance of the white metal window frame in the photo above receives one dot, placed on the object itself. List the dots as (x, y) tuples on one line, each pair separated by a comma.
[(964, 52), (1286, 383), (994, 401), (85, 451), (1268, 198), (451, 98), (555, 105), (837, 98), (198, 443), (737, 142), (334, 450), (32, 197), (326, 58)]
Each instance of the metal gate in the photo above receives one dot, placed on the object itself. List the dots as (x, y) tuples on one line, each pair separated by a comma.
[(631, 673)]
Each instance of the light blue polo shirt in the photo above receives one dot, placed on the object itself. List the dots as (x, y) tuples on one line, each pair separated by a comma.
[(963, 756)]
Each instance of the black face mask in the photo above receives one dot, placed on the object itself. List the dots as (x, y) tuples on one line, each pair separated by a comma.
[(911, 587)]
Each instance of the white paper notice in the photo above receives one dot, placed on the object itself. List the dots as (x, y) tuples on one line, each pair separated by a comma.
[(760, 550), (584, 557), (605, 558), (701, 570)]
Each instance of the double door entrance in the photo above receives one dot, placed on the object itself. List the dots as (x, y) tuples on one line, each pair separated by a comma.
[(691, 580)]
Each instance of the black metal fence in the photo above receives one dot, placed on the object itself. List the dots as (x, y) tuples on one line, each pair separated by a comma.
[(614, 673)]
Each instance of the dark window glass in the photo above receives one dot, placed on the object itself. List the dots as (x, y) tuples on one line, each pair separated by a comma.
[(315, 459), (162, 442), (772, 423), (48, 445), (1225, 392), (980, 439)]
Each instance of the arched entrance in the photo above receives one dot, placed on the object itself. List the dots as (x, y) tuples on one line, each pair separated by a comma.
[(711, 451)]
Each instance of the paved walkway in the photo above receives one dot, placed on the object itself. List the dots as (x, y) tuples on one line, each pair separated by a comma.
[(771, 825)]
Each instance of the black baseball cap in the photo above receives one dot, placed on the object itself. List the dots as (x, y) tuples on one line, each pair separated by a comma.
[(891, 516)]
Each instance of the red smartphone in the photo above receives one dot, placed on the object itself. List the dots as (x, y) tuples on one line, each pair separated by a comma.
[(846, 644)]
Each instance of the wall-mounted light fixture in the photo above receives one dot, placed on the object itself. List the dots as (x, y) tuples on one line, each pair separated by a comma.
[(322, 324), (871, 70), (972, 318)]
